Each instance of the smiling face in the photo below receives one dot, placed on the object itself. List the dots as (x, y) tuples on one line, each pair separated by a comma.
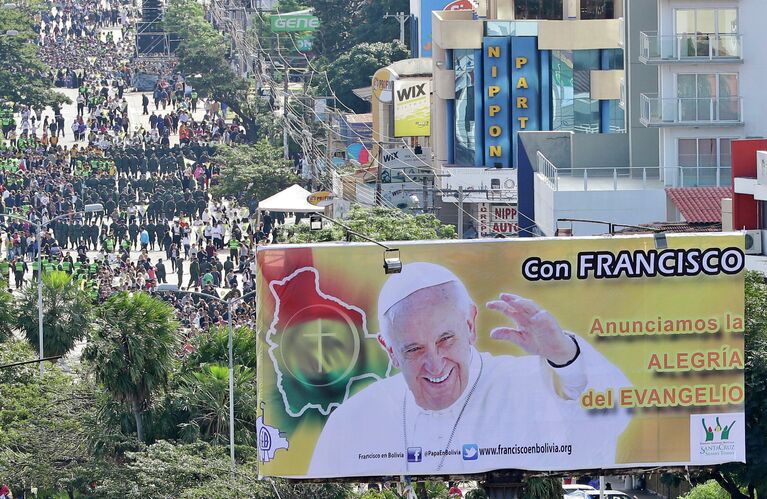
[(428, 337)]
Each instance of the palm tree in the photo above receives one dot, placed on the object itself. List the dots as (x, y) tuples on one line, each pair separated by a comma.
[(133, 349), (212, 347), (67, 313), (206, 396)]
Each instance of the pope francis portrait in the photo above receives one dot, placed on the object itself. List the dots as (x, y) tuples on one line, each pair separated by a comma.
[(452, 409)]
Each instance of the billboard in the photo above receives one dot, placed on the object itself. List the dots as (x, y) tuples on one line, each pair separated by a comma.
[(412, 107), (294, 21), (497, 219), (535, 354), (425, 22), (405, 165)]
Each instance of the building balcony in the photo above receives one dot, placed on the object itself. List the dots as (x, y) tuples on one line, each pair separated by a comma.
[(600, 178), (694, 112), (690, 48)]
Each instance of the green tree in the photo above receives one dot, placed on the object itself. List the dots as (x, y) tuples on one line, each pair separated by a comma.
[(204, 55), (7, 315), (23, 75), (12, 351), (355, 67), (371, 27), (174, 470), (381, 224), (67, 313), (132, 353), (253, 171), (44, 425), (542, 488), (361, 22), (212, 347), (747, 481), (708, 490), (206, 396)]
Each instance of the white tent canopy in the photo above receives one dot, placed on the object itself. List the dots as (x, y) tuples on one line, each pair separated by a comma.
[(291, 199)]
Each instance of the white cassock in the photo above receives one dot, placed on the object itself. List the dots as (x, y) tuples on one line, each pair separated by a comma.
[(522, 414)]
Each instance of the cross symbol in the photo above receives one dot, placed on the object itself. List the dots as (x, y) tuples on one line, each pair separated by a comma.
[(319, 335)]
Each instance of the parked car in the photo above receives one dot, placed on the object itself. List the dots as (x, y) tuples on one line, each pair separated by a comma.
[(594, 494), (572, 487)]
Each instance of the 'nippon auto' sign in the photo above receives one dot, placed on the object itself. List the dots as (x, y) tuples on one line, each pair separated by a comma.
[(294, 22)]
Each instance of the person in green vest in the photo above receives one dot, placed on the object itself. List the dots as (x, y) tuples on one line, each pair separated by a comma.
[(19, 268), (195, 97), (35, 269), (48, 266), (66, 266), (234, 250), (109, 244)]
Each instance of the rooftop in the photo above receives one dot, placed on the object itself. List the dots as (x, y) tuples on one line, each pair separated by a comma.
[(699, 204)]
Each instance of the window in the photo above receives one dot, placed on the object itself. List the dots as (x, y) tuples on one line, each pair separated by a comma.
[(597, 9), (538, 9), (708, 97), (572, 106), (562, 89), (707, 32), (465, 122), (704, 161)]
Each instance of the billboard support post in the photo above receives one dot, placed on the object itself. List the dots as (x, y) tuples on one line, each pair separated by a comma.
[(460, 212)]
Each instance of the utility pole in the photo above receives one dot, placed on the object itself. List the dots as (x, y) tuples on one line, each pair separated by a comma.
[(401, 17), (285, 112)]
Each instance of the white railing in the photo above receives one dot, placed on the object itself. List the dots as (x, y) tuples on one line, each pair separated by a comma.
[(549, 171), (624, 178), (660, 111), (690, 47)]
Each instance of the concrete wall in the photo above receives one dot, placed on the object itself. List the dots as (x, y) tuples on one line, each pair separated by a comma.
[(641, 15), (604, 149), (582, 35), (626, 207), (556, 146)]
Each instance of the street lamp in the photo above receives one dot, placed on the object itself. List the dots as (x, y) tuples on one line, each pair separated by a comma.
[(173, 288), (392, 263), (88, 208)]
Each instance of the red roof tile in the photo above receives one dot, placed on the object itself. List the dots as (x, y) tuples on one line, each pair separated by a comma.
[(699, 204)]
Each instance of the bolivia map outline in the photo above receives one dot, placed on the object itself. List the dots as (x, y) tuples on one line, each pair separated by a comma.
[(324, 409)]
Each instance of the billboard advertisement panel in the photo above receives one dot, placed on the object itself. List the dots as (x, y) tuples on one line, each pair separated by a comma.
[(536, 354), (425, 22), (294, 22), (412, 108)]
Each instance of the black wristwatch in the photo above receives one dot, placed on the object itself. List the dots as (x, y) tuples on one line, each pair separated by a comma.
[(575, 357)]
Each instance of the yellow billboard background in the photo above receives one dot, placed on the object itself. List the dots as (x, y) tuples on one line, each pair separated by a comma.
[(412, 107), (353, 273)]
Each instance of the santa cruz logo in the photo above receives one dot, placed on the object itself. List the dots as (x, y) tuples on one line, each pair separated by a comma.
[(718, 432), (717, 438)]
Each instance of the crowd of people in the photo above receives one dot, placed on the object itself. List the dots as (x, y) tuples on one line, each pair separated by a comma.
[(151, 178)]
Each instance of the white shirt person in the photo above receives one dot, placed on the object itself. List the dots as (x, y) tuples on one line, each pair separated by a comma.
[(452, 409)]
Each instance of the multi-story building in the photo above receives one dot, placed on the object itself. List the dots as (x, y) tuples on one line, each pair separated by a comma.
[(549, 89), (712, 65)]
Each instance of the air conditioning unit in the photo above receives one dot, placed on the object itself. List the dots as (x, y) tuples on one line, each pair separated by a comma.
[(753, 242)]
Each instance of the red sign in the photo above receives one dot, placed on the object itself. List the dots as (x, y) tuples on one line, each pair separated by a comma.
[(460, 5)]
